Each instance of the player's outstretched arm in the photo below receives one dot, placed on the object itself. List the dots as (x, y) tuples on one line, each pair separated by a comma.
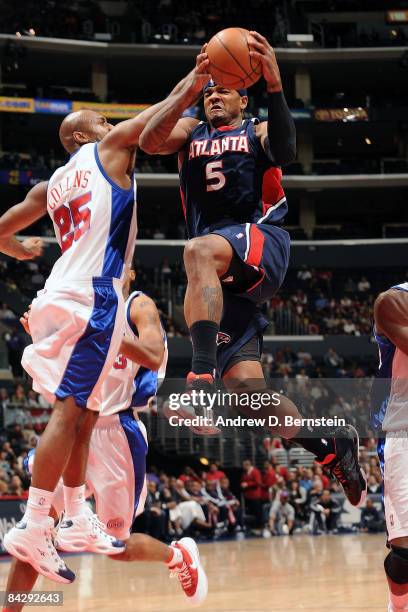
[(148, 348), (20, 216), (391, 317), (278, 134), (166, 132)]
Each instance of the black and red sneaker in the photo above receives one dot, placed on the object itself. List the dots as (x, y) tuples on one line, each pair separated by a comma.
[(344, 465)]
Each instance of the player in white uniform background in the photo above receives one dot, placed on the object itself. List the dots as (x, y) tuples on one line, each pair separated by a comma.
[(117, 460), (391, 331), (77, 321)]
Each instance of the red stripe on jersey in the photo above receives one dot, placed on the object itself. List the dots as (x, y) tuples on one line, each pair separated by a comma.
[(272, 190), (225, 128), (183, 203), (256, 244)]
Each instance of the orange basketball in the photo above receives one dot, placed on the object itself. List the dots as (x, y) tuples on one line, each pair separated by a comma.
[(230, 62)]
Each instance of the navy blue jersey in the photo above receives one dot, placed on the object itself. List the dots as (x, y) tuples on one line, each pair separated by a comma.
[(226, 178)]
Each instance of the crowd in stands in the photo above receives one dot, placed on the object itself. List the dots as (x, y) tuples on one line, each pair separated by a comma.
[(311, 301), (168, 21), (276, 500), (328, 301), (43, 165)]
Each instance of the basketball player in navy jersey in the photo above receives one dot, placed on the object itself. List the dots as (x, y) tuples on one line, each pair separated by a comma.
[(389, 401), (237, 254)]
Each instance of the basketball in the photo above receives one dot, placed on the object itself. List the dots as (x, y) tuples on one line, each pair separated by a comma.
[(230, 62)]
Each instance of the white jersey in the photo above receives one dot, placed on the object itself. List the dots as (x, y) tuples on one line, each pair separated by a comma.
[(94, 219), (396, 414), (129, 385)]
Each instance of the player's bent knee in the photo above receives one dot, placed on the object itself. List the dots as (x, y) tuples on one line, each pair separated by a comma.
[(197, 250), (396, 569)]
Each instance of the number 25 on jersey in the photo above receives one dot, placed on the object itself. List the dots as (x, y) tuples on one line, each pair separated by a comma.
[(73, 220)]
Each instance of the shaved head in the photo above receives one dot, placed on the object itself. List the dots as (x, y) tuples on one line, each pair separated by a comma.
[(82, 127)]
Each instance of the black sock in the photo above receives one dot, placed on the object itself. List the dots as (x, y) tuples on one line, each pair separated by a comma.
[(318, 442), (204, 340)]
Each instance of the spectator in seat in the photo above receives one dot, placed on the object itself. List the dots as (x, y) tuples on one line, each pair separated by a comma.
[(19, 397), (269, 479), (373, 486), (16, 487), (298, 499), (153, 519), (231, 503), (324, 514), (189, 474), (282, 516), (251, 486), (370, 518), (214, 473)]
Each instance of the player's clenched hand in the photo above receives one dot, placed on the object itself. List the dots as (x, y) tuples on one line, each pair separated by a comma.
[(25, 319), (33, 247), (262, 50)]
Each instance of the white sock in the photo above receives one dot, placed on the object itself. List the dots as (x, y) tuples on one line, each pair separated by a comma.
[(38, 505), (74, 500), (177, 557)]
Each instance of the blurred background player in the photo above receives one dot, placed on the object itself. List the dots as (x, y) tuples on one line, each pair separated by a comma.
[(77, 320), (116, 470), (391, 332), (237, 256)]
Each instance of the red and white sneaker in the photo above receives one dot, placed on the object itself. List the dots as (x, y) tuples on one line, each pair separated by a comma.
[(86, 533), (190, 572), (32, 543)]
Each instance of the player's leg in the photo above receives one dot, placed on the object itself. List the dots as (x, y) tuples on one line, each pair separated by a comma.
[(80, 530), (396, 514), (118, 448), (335, 448), (206, 259), (31, 539), (22, 578)]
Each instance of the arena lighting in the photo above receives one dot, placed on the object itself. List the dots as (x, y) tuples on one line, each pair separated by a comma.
[(300, 40), (367, 140), (204, 461)]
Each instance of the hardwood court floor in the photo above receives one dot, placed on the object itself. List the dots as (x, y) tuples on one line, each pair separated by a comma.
[(314, 574)]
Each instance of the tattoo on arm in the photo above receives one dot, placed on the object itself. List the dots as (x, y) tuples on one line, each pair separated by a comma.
[(212, 296)]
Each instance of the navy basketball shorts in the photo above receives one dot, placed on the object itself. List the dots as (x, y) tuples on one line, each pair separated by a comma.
[(241, 331), (262, 259), (255, 275)]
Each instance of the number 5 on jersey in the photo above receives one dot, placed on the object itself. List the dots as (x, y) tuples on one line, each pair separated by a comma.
[(73, 220), (214, 178)]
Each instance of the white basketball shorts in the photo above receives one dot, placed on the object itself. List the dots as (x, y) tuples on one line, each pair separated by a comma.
[(115, 474), (76, 330), (116, 471), (396, 484)]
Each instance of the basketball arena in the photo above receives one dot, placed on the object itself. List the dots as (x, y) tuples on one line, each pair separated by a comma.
[(283, 272)]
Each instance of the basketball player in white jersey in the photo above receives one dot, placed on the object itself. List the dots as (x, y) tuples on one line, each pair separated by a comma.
[(78, 319), (391, 331), (117, 459)]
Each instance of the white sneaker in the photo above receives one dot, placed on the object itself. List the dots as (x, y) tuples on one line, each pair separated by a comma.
[(85, 532), (32, 543), (190, 572)]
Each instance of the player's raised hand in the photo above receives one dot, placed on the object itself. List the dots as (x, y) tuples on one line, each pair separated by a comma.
[(261, 50), (200, 75), (33, 247)]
